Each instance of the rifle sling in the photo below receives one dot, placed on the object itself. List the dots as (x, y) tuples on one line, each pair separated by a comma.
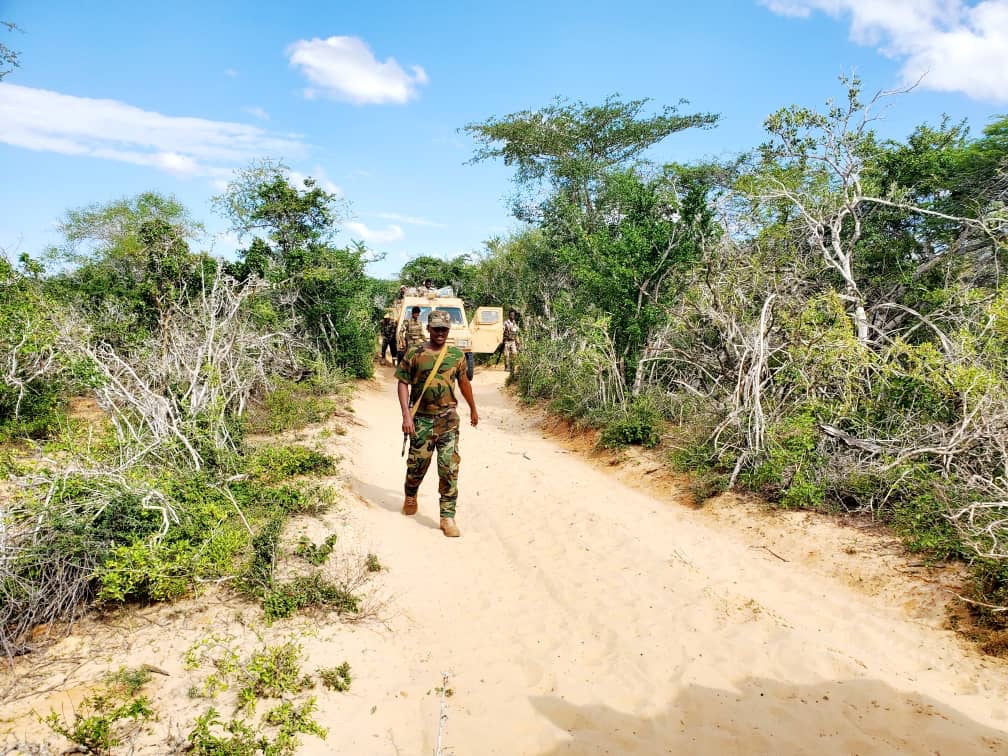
[(430, 379)]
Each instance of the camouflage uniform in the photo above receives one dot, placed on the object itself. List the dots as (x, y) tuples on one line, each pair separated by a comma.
[(510, 343), (436, 421), (411, 334), (388, 333)]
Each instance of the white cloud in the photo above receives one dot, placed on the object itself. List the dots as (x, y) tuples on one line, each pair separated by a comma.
[(955, 46), (360, 231), (344, 68), (408, 219), (258, 112), (322, 180), (38, 119)]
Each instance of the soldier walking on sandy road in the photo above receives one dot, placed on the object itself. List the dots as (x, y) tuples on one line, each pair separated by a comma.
[(425, 377), (388, 336), (511, 340), (411, 331)]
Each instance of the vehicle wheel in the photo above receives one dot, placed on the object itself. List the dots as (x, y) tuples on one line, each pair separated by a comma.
[(470, 365)]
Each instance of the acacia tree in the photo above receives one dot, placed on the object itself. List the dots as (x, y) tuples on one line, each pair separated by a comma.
[(614, 223), (572, 146)]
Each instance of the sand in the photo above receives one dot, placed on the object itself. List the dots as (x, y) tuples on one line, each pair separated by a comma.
[(588, 612)]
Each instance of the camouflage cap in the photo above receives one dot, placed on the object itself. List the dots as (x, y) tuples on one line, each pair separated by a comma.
[(439, 319)]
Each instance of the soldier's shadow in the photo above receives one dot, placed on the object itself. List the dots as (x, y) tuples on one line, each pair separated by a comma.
[(390, 500)]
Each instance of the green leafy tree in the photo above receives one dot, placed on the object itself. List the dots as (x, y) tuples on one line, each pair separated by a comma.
[(456, 272), (625, 266), (572, 146), (261, 199), (31, 378), (126, 261), (323, 286)]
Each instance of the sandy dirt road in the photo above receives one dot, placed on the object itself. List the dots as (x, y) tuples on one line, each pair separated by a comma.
[(577, 615)]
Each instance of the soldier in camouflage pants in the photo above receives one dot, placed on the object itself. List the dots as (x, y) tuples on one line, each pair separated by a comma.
[(435, 433), (435, 426)]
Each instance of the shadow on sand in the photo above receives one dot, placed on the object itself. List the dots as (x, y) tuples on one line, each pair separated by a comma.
[(390, 500), (770, 717)]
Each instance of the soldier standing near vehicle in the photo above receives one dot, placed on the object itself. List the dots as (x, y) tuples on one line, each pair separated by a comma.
[(388, 335), (411, 331), (429, 416), (511, 340)]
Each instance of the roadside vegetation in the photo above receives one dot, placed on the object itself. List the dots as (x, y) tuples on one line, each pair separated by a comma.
[(821, 321), (187, 362)]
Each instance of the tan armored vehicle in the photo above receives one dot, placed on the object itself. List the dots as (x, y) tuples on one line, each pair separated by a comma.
[(481, 336)]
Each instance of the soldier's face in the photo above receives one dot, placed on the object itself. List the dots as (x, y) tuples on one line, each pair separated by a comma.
[(438, 336)]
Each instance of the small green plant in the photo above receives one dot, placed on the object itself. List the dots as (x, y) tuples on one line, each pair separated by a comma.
[(270, 673), (241, 740), (271, 464), (99, 725), (217, 651), (336, 678), (315, 554), (287, 406), (372, 563), (128, 681), (308, 592), (292, 720)]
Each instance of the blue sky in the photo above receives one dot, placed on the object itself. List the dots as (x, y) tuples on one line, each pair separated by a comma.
[(115, 98)]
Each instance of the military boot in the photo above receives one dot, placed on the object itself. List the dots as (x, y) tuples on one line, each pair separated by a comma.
[(409, 505), (449, 528)]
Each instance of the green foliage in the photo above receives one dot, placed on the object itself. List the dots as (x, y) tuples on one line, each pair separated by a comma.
[(286, 406), (372, 563), (789, 470), (336, 678), (270, 673), (456, 272), (35, 374), (573, 144), (124, 262), (639, 423), (99, 723), (240, 740), (270, 464), (325, 286), (259, 575), (312, 591), (315, 554)]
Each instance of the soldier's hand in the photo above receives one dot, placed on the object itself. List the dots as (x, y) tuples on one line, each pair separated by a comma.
[(473, 418), (407, 425)]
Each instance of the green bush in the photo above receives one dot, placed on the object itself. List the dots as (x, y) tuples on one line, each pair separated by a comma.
[(639, 424), (311, 591), (270, 673), (288, 405), (336, 678), (270, 464), (98, 722), (315, 554)]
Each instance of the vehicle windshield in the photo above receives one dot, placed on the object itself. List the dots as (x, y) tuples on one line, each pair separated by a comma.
[(457, 318)]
